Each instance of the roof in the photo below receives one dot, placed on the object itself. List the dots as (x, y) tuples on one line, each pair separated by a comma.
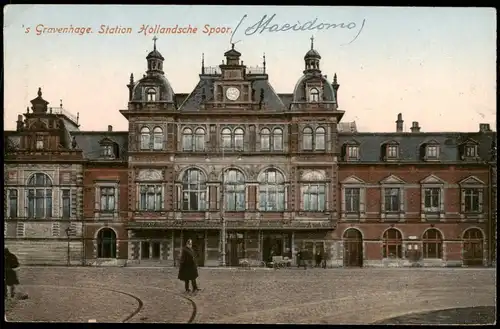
[(89, 143), (409, 144)]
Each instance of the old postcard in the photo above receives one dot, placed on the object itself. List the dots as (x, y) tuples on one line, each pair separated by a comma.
[(265, 165)]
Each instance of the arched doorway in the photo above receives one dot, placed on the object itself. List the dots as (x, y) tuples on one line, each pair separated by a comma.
[(353, 248), (106, 243), (472, 252)]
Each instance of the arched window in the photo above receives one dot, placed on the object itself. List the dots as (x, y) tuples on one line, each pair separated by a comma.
[(319, 142), (307, 139), (151, 95), (265, 139), (194, 190), (271, 191), (145, 138), (473, 247), (238, 139), (199, 139), (432, 244), (187, 139), (393, 244), (313, 188), (314, 95), (39, 196), (277, 139), (234, 190), (226, 138), (106, 243), (157, 138)]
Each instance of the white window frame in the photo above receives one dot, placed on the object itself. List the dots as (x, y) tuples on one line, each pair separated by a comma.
[(318, 184), (399, 214), (480, 192), (314, 95), (361, 215), (155, 186), (428, 155), (158, 133), (98, 213), (470, 146), (390, 146), (107, 151), (40, 143), (348, 149)]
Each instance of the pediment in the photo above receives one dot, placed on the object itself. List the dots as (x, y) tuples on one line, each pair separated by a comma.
[(106, 140), (432, 179), (313, 175), (150, 175), (470, 141), (431, 142), (352, 180), (390, 142), (471, 180), (392, 179), (352, 142)]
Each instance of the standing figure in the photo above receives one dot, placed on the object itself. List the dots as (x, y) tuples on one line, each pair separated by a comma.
[(318, 258), (11, 280), (188, 270)]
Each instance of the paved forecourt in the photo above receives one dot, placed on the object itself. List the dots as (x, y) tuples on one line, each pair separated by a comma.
[(333, 296)]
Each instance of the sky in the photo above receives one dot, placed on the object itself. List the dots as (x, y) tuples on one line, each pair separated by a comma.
[(436, 66)]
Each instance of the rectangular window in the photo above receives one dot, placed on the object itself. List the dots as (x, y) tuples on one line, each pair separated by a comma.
[(472, 200), (12, 203), (265, 144), (392, 199), (145, 141), (432, 151), (352, 152), (314, 197), (39, 203), (151, 198), (108, 199), (66, 204), (107, 151), (432, 199), (157, 141), (470, 151), (392, 151), (39, 142), (352, 200), (277, 142), (199, 143)]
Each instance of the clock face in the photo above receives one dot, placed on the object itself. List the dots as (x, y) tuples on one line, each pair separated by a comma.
[(232, 93)]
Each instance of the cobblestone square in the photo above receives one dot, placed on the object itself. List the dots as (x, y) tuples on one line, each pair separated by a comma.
[(314, 296)]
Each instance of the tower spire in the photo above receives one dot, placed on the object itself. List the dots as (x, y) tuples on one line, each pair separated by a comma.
[(202, 63), (312, 42)]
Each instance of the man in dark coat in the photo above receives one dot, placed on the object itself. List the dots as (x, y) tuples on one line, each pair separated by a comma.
[(10, 262), (188, 270)]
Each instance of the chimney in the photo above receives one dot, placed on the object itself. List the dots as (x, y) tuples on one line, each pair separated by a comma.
[(19, 122), (484, 127), (110, 128), (399, 123), (414, 127)]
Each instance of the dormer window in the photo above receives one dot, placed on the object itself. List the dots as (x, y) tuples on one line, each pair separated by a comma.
[(470, 151), (39, 142), (350, 151), (390, 151), (314, 95), (429, 151), (151, 95), (107, 151)]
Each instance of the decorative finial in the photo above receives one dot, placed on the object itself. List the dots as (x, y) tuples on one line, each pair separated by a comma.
[(264, 62), (40, 91), (232, 45), (131, 78), (312, 42), (335, 78), (202, 63), (60, 103), (27, 109), (77, 117), (154, 40)]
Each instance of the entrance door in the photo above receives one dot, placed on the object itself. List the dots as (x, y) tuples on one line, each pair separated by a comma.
[(353, 248), (236, 248), (473, 247), (198, 239), (272, 245)]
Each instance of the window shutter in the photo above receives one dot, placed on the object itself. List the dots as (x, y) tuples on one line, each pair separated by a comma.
[(117, 198), (462, 200), (382, 203), (163, 197)]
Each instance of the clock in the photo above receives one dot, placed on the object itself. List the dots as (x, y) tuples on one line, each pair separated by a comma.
[(232, 93)]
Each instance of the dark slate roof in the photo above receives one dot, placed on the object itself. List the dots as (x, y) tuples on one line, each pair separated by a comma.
[(155, 80), (286, 99), (409, 143), (299, 92), (69, 128), (205, 85), (88, 142), (312, 53)]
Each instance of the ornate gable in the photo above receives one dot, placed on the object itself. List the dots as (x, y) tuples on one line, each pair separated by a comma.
[(432, 179), (471, 180), (106, 141), (469, 141), (392, 179), (352, 180)]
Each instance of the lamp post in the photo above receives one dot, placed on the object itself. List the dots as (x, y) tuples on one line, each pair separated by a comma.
[(68, 230)]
